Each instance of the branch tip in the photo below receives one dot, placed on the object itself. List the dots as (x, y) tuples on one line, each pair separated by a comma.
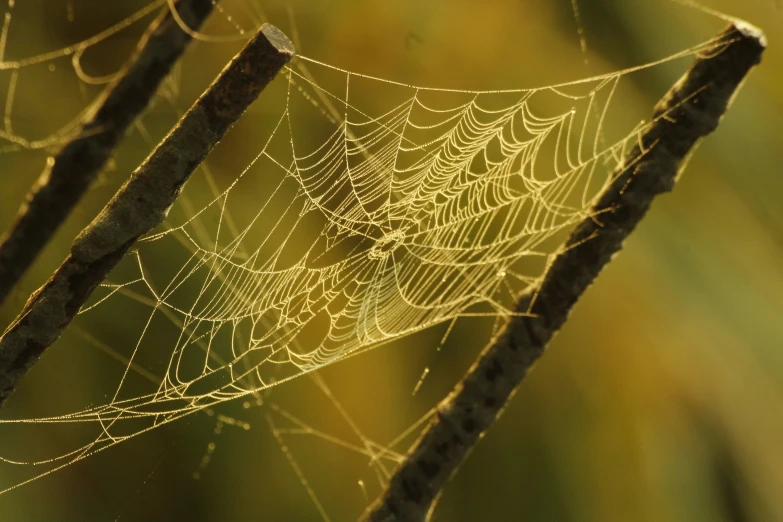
[(278, 40)]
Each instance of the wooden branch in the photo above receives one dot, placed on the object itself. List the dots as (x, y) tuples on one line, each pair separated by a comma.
[(69, 173), (140, 205), (688, 112)]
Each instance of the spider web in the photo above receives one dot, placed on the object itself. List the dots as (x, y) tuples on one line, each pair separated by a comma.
[(371, 210)]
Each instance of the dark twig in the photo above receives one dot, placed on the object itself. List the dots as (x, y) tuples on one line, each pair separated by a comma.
[(688, 112), (140, 205), (69, 173)]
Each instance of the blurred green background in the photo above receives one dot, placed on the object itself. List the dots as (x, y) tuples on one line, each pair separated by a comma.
[(661, 399)]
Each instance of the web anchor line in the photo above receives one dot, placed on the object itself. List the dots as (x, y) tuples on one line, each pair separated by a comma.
[(690, 110), (140, 205)]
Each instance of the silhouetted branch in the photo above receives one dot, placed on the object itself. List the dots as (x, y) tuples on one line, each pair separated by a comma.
[(69, 173), (140, 205), (689, 111)]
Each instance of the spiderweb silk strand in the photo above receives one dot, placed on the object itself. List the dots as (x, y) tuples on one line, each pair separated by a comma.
[(371, 210), (691, 110), (69, 173), (140, 205)]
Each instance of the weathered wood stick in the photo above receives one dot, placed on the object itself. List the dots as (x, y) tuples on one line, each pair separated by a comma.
[(689, 111), (69, 173), (140, 205)]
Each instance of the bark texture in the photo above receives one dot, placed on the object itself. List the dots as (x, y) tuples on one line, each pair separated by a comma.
[(690, 110), (140, 205)]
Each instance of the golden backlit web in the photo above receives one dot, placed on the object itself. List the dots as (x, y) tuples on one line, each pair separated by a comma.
[(372, 210)]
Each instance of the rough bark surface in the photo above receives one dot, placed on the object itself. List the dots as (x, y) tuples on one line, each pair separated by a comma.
[(140, 205), (69, 173), (689, 111)]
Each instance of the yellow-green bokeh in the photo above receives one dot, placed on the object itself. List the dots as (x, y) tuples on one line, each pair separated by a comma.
[(662, 397)]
